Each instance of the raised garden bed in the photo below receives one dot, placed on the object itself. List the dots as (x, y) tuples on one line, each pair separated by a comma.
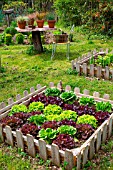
[(84, 67), (75, 157)]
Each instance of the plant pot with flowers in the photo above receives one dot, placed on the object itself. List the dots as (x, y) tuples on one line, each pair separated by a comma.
[(31, 17), (51, 20), (40, 19), (21, 22)]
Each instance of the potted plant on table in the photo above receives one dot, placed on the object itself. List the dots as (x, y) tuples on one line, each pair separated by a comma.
[(21, 21), (51, 19), (40, 19)]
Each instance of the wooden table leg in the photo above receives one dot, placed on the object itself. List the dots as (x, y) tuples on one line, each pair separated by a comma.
[(36, 37)]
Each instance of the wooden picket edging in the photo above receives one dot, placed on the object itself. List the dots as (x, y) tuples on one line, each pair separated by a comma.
[(81, 66), (74, 157)]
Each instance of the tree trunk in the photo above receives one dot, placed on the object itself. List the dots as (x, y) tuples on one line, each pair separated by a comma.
[(36, 37)]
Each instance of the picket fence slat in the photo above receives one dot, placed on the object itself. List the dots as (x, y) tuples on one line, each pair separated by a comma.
[(2, 105), (85, 155), (104, 133), (110, 126), (68, 88), (69, 159), (98, 140), (31, 146), (79, 161), (42, 149), (91, 148), (20, 141), (18, 97), (1, 133), (55, 155), (9, 136)]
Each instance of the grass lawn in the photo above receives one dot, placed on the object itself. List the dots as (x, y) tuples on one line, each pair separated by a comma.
[(21, 71)]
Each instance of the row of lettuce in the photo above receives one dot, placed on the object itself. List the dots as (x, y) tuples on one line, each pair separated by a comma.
[(58, 117)]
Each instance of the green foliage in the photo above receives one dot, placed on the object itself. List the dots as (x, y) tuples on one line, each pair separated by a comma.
[(17, 109), (87, 101), (8, 39), (31, 50), (37, 119), (48, 134), (87, 119), (68, 96), (69, 114), (52, 109), (67, 11), (66, 114), (19, 38), (50, 16), (52, 92), (10, 30), (30, 39), (104, 106), (65, 129), (2, 37), (70, 71), (36, 106)]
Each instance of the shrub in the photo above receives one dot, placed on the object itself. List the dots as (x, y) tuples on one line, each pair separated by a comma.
[(8, 39), (10, 30), (19, 38)]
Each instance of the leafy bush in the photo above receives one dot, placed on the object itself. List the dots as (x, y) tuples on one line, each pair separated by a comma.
[(87, 119), (87, 101), (48, 134), (65, 129), (8, 39), (2, 37), (104, 106), (19, 38), (36, 106), (52, 109), (17, 109), (10, 30), (52, 92)]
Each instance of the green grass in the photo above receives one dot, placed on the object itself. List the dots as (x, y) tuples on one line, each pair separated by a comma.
[(21, 71)]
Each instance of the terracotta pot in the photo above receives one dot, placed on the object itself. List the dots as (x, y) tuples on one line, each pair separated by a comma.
[(31, 21), (51, 23), (40, 23), (22, 25)]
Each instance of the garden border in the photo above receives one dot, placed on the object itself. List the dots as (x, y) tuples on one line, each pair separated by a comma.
[(75, 157), (80, 64)]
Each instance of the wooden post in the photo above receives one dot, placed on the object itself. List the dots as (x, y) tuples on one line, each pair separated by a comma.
[(42, 149), (85, 68), (69, 158), (20, 141), (92, 70), (31, 146), (9, 136), (36, 37)]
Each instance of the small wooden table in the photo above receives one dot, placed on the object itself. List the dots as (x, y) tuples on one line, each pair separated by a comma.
[(36, 37)]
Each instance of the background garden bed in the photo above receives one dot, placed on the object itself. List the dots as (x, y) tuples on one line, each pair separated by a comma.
[(75, 157), (82, 66)]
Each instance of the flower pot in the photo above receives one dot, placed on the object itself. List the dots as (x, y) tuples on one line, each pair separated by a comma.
[(22, 25), (31, 21), (40, 23), (51, 23)]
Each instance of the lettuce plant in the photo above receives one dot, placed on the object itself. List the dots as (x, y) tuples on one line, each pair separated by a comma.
[(68, 96), (64, 141), (36, 106), (48, 134), (52, 109), (87, 101), (37, 119), (17, 109), (104, 106), (52, 92), (66, 129), (87, 119), (68, 114)]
